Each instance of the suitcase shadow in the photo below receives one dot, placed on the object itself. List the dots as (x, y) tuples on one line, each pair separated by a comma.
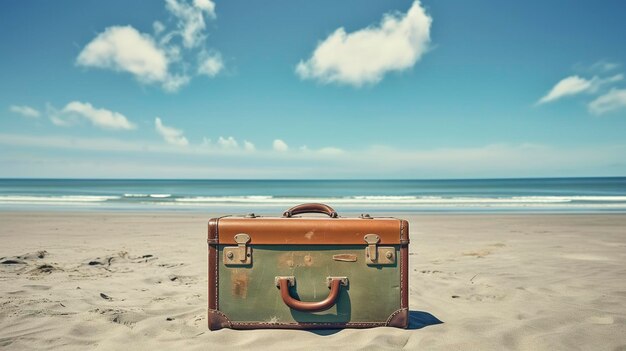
[(421, 319), (417, 320)]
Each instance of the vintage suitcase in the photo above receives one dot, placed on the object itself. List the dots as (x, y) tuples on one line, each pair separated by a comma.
[(308, 272)]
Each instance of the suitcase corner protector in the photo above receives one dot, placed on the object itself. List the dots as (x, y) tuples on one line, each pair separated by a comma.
[(399, 318), (218, 320)]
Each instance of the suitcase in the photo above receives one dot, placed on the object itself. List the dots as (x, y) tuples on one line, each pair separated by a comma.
[(309, 272)]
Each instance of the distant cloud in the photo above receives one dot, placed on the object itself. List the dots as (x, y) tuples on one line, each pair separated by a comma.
[(604, 65), (171, 135), (489, 160), (98, 117), (227, 143), (279, 145), (25, 111), (574, 85), (190, 18), (158, 58), (210, 64), (248, 146), (158, 27), (366, 55), (611, 101)]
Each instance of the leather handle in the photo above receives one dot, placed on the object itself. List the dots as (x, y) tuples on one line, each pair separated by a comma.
[(311, 208), (328, 302)]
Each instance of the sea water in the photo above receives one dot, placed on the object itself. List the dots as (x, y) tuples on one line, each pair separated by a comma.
[(274, 196)]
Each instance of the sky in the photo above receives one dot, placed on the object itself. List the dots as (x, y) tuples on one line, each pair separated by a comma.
[(324, 89)]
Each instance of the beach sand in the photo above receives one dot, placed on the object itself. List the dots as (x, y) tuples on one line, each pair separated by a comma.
[(478, 282)]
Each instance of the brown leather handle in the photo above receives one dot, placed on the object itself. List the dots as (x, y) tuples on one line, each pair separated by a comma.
[(311, 208), (323, 305)]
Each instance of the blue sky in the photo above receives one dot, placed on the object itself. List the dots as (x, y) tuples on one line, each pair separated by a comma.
[(283, 89)]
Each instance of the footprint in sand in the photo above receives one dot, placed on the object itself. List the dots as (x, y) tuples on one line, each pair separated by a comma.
[(12, 262), (44, 269), (34, 255), (123, 317)]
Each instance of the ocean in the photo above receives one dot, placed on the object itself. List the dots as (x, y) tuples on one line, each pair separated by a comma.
[(553, 195)]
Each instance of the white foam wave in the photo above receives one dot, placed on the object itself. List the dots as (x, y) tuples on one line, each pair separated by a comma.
[(404, 200), (160, 196), (50, 200)]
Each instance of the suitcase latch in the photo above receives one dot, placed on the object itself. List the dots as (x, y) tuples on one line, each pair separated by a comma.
[(240, 255), (375, 255)]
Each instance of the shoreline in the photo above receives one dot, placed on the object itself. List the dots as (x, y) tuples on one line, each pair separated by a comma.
[(495, 281)]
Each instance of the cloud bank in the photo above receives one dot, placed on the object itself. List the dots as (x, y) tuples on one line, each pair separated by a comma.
[(492, 160)]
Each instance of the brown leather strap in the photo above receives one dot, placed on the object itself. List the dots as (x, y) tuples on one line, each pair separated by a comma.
[(323, 305), (311, 208)]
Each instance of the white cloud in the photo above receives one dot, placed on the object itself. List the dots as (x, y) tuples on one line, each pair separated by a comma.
[(25, 111), (604, 65), (210, 64), (574, 85), (330, 151), (567, 86), (171, 135), (125, 49), (613, 100), (99, 117), (248, 146), (279, 145), (158, 27), (227, 143), (157, 59), (366, 55), (190, 17), (175, 82)]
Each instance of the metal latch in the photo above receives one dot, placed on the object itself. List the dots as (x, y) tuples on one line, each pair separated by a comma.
[(375, 255), (240, 255)]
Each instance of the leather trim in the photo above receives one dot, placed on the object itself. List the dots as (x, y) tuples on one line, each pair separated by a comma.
[(404, 276), (212, 265), (310, 231), (404, 231), (399, 319), (212, 232), (218, 320)]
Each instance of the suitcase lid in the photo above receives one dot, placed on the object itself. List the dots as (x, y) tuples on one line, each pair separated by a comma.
[(290, 230)]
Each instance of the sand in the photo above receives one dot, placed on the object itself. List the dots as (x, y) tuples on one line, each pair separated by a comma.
[(478, 282)]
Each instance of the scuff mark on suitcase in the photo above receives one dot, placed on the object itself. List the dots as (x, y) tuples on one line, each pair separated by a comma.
[(240, 281), (308, 260), (309, 234), (286, 260)]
